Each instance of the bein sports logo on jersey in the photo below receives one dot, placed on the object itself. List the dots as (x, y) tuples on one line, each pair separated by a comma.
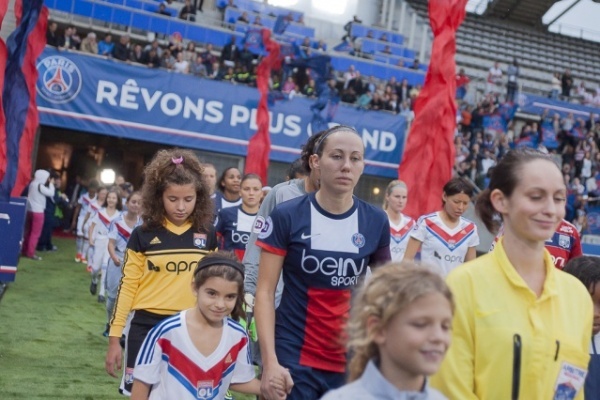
[(204, 389), (59, 79), (263, 227)]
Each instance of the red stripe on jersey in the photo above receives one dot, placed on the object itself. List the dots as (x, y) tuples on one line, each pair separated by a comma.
[(123, 231), (271, 249), (104, 219), (95, 206), (191, 371), (324, 338), (239, 253), (448, 238), (402, 232)]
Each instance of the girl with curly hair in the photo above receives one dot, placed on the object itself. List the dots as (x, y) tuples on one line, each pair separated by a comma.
[(398, 301), (161, 254)]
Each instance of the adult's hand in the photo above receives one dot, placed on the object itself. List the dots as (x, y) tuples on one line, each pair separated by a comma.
[(270, 383), (114, 356)]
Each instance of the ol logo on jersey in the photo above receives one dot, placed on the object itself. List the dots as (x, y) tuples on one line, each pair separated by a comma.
[(200, 240), (204, 389), (59, 79)]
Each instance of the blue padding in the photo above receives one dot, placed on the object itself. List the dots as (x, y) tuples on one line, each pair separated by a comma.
[(122, 17), (261, 8), (83, 8), (102, 12), (232, 15), (157, 24), (371, 46), (142, 21), (359, 30), (591, 249), (380, 71)]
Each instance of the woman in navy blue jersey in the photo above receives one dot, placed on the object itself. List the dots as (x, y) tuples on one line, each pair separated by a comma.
[(234, 224), (322, 243), (228, 194)]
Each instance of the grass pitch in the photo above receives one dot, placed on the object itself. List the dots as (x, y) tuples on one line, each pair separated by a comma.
[(51, 343)]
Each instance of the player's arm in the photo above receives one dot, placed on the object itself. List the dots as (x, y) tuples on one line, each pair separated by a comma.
[(133, 270), (252, 255), (75, 216), (412, 248), (471, 254), (112, 251), (91, 232), (140, 390), (264, 312), (252, 387)]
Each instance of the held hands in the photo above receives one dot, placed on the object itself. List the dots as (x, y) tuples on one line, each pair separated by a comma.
[(276, 382)]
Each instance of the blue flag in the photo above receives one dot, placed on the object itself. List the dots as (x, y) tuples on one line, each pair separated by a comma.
[(15, 95), (281, 24), (254, 41)]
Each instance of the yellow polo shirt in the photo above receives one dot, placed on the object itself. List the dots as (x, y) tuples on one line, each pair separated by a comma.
[(493, 307)]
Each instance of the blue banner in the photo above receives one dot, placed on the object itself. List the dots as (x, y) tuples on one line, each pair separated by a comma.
[(95, 95), (494, 123), (593, 220), (549, 136)]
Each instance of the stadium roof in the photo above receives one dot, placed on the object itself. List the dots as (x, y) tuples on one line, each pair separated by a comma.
[(522, 11)]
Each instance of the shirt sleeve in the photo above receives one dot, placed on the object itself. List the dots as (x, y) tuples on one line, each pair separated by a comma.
[(133, 270), (252, 255), (456, 376), (419, 231), (275, 234), (474, 240), (244, 370)]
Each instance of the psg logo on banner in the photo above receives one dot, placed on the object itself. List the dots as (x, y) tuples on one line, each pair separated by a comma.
[(59, 79)]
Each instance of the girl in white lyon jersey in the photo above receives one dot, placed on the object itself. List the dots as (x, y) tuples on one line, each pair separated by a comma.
[(445, 238), (396, 195)]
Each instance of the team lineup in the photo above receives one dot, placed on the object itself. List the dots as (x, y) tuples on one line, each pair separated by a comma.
[(300, 285)]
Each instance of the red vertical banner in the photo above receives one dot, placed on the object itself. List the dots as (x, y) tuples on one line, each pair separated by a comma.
[(428, 157), (3, 57), (259, 146), (24, 46), (35, 46)]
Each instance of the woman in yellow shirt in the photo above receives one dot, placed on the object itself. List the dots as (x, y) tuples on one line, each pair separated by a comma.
[(522, 327)]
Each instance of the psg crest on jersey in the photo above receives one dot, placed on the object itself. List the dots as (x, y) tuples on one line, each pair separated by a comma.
[(200, 240), (358, 240)]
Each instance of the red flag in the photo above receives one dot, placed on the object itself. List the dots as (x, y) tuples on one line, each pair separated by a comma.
[(429, 155), (3, 56), (35, 45), (259, 146)]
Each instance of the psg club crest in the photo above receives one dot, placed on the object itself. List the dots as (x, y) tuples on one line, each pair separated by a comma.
[(59, 79), (358, 240), (204, 389), (200, 240)]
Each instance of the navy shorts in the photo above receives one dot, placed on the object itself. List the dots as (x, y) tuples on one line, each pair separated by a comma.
[(312, 383), (141, 323)]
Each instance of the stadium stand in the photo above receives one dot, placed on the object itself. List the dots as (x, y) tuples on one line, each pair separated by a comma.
[(483, 40)]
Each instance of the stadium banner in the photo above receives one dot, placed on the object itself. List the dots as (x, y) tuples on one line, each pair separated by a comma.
[(593, 219), (549, 135), (97, 95), (532, 104)]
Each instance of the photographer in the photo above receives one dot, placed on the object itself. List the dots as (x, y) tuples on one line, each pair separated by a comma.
[(36, 203)]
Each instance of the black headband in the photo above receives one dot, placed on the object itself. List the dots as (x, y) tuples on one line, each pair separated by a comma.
[(329, 132), (218, 260)]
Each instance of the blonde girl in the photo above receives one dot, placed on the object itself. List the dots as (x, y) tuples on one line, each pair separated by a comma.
[(396, 196), (399, 301)]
